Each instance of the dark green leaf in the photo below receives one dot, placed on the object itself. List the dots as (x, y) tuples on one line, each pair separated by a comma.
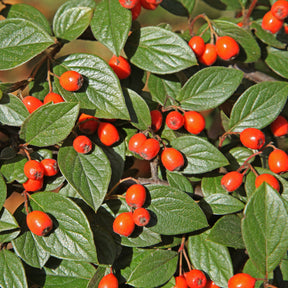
[(174, 212), (159, 51), (179, 7), (179, 181), (95, 280), (210, 257), (212, 185), (224, 4), (3, 190), (7, 221), (53, 183), (12, 110), (13, 273), (26, 40), (265, 229), (258, 106), (209, 88), (238, 155), (201, 155), (57, 121), (277, 60), (111, 24)]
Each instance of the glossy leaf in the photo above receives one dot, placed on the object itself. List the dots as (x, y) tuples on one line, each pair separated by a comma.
[(111, 24), (224, 4), (252, 270), (179, 181), (26, 40), (159, 51), (179, 7), (212, 185), (258, 106), (238, 155), (277, 60), (201, 155), (3, 191), (7, 221), (264, 229)]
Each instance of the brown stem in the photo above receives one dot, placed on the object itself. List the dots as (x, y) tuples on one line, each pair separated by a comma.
[(248, 159), (187, 260), (253, 170), (251, 8), (25, 193), (117, 184)]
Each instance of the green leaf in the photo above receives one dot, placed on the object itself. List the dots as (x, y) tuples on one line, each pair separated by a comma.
[(13, 273), (251, 269), (111, 24), (265, 229), (12, 111), (70, 23), (72, 238), (258, 106), (179, 7), (201, 155), (174, 212), (7, 221), (94, 169), (159, 51), (212, 185), (277, 60), (95, 280), (224, 4), (242, 36), (238, 155), (227, 231), (49, 124), (210, 257), (26, 40), (209, 88), (28, 12), (103, 94), (3, 190), (179, 181)]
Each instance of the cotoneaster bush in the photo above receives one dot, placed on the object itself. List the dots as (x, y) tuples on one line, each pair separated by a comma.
[(204, 107)]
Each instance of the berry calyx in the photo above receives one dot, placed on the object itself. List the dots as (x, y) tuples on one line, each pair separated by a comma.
[(194, 122), (136, 195), (141, 216), (50, 167), (53, 97), (82, 144), (180, 282), (39, 223), (232, 181), (156, 120), (32, 103), (279, 127), (87, 124), (280, 9), (120, 66), (268, 178), (172, 159), (252, 138), (108, 133), (124, 224), (227, 48), (174, 120), (148, 6), (278, 161), (241, 280), (149, 149), (197, 44), (34, 170), (195, 278), (109, 281), (271, 23), (33, 185), (128, 4), (209, 56), (71, 80), (136, 141)]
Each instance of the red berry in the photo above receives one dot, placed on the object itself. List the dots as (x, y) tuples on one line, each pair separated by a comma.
[(33, 185), (197, 44), (136, 11), (241, 280), (141, 216), (53, 97), (136, 141), (280, 9), (120, 66), (155, 2), (278, 161), (82, 144), (50, 167), (71, 80), (232, 181), (279, 127), (34, 170), (211, 284), (149, 149), (148, 6), (108, 281), (227, 48), (32, 103), (174, 120), (194, 122), (209, 55), (124, 224), (156, 120), (39, 223), (87, 124), (271, 23), (195, 278), (268, 178), (240, 24), (129, 4), (136, 195), (180, 282), (172, 159), (252, 138), (108, 133)]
